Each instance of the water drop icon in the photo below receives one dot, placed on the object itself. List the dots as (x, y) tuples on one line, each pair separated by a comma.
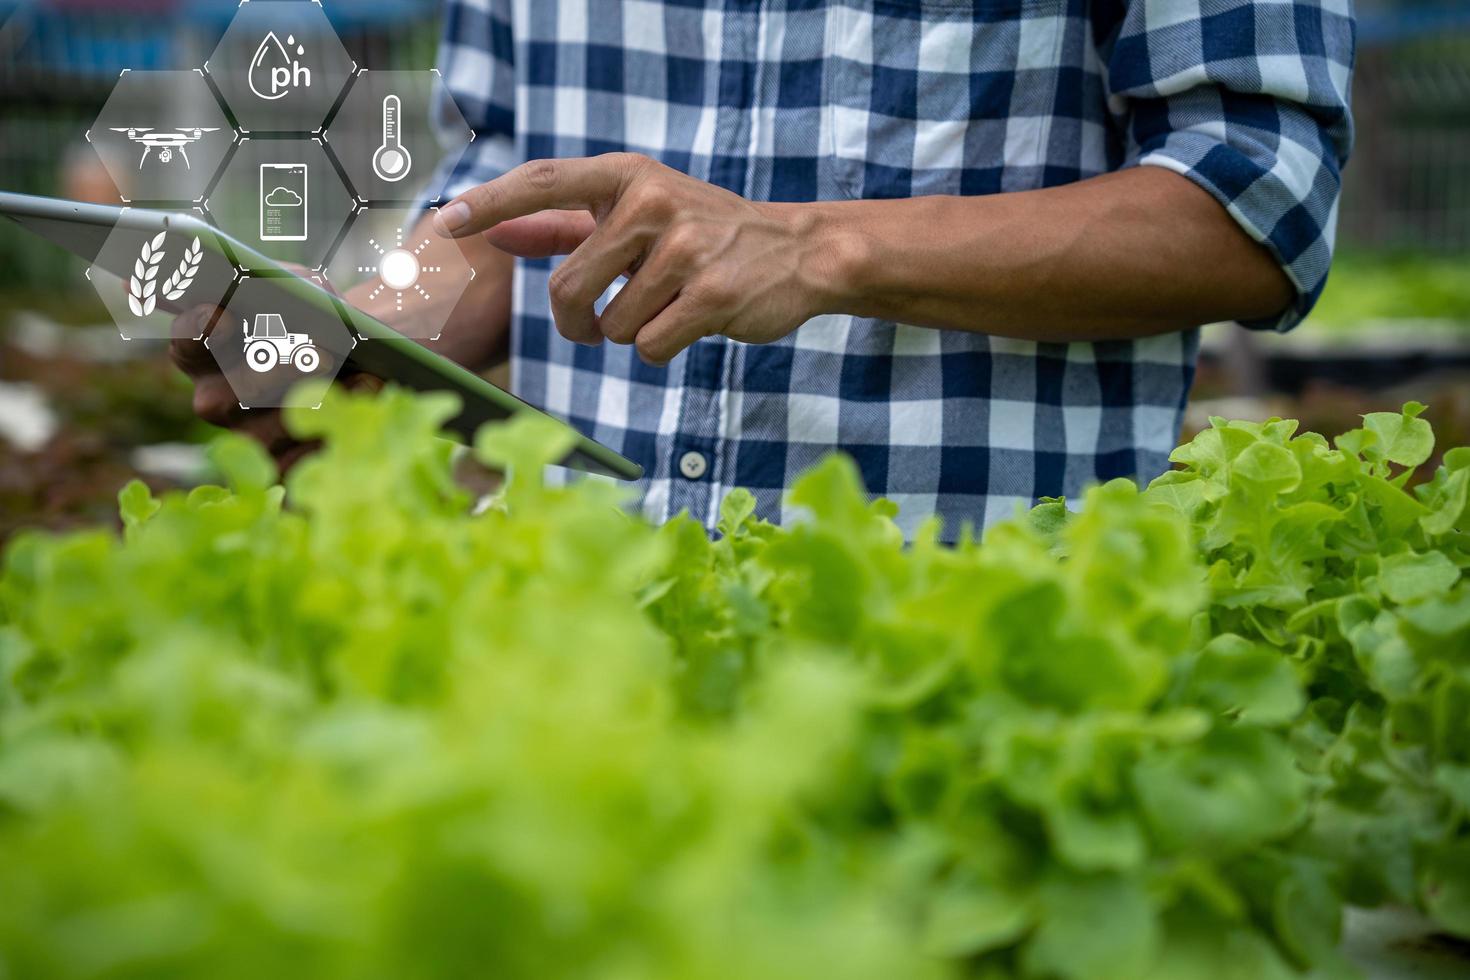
[(269, 58), (273, 72)]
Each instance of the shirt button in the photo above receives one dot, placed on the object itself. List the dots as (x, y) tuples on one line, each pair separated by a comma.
[(693, 465)]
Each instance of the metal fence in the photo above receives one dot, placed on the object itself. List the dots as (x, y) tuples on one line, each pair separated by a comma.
[(1408, 185)]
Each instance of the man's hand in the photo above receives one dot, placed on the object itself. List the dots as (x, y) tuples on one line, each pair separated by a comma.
[(699, 259)]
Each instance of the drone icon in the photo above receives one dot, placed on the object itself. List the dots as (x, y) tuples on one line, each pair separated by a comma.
[(165, 143)]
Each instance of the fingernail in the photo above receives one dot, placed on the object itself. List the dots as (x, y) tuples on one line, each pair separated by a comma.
[(452, 217)]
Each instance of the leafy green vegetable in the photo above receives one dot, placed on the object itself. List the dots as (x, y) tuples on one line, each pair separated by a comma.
[(1372, 611), (352, 728)]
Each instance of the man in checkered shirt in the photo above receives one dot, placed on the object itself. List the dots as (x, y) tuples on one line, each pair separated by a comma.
[(967, 242)]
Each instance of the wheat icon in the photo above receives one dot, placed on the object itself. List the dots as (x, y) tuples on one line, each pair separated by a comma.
[(143, 284), (177, 284)]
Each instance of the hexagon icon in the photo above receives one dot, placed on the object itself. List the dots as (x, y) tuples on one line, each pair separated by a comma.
[(272, 337), (280, 66), (153, 266), (162, 135), (282, 199), (393, 267), (394, 132)]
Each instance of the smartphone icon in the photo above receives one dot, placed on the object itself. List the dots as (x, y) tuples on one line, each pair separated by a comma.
[(283, 202)]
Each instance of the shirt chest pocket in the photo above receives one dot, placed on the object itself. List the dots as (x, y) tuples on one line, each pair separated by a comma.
[(940, 96)]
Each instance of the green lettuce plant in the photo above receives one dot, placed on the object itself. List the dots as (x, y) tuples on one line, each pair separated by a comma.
[(1318, 553), (348, 727)]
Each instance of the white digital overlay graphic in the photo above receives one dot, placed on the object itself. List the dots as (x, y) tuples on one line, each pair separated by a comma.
[(397, 135), (399, 270), (276, 71), (392, 161), (270, 345), (268, 340), (279, 66), (165, 142), (161, 135), (283, 199), (143, 287), (278, 139), (145, 277)]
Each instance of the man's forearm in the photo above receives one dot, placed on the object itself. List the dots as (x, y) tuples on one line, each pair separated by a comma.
[(1126, 255), (1129, 254)]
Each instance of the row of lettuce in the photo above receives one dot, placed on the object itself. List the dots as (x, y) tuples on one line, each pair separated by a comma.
[(349, 728)]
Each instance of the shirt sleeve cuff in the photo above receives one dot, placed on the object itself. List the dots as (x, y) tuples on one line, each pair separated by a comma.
[(1277, 205)]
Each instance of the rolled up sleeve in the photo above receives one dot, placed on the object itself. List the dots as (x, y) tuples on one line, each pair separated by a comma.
[(477, 63), (1250, 100)]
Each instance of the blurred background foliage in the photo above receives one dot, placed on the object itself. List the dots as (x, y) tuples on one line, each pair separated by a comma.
[(81, 411)]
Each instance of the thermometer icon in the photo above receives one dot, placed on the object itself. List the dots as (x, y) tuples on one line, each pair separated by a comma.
[(391, 162)]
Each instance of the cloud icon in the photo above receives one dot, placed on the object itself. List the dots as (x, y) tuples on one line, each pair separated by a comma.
[(283, 197)]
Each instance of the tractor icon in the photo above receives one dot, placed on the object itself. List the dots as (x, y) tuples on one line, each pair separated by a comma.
[(270, 345)]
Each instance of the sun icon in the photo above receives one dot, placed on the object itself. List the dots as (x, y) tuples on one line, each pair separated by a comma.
[(399, 269)]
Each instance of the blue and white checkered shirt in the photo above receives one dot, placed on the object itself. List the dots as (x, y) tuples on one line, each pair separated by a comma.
[(805, 100)]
